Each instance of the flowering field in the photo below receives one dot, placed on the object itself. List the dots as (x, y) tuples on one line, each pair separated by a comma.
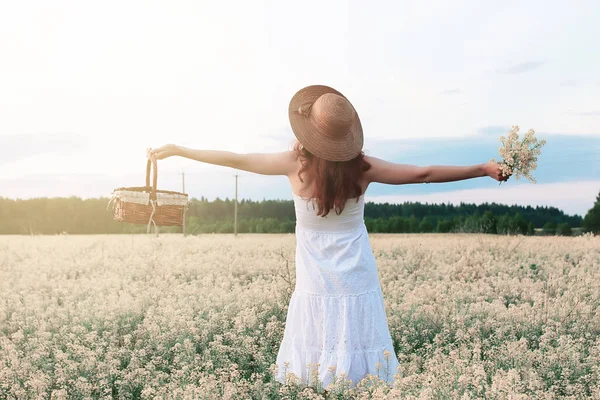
[(472, 316)]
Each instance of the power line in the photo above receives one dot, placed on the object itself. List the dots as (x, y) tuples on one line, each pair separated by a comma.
[(235, 214), (184, 208)]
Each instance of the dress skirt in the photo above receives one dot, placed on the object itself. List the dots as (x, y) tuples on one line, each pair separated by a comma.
[(336, 316)]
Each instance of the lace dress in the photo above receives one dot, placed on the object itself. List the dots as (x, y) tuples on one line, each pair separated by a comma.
[(336, 315)]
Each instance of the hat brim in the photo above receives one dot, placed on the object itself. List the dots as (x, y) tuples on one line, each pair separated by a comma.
[(311, 137)]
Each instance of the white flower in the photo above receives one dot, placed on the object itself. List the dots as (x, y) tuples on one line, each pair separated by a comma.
[(520, 157)]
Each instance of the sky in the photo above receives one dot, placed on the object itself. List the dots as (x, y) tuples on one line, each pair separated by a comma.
[(86, 87)]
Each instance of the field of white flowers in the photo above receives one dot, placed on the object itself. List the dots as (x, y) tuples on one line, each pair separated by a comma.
[(140, 317)]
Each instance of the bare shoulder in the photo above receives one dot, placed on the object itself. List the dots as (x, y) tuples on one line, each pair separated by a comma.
[(392, 173), (291, 158), (294, 161), (290, 161)]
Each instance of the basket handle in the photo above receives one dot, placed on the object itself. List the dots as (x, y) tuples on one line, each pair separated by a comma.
[(152, 162)]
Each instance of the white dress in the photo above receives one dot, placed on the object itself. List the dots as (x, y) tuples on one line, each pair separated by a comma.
[(336, 316)]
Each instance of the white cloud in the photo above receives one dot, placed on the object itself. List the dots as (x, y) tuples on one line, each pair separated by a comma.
[(571, 197), (521, 67)]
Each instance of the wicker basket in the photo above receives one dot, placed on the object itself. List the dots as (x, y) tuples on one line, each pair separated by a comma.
[(147, 205)]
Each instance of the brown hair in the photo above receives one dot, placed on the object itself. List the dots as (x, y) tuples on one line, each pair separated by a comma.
[(335, 181)]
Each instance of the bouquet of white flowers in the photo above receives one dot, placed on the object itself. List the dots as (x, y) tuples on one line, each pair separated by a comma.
[(519, 157)]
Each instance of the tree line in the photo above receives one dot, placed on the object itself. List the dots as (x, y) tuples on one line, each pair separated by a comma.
[(91, 216)]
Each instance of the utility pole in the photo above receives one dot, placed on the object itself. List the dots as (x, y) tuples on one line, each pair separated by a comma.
[(183, 191), (235, 226)]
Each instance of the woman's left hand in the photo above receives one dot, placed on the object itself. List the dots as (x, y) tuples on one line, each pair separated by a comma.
[(168, 150), (494, 171)]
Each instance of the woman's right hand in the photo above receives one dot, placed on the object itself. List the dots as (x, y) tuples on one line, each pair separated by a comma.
[(494, 171), (168, 150)]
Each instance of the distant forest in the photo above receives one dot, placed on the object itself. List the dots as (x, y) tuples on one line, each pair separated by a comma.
[(74, 215)]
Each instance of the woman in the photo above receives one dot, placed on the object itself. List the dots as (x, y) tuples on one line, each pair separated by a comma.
[(336, 316)]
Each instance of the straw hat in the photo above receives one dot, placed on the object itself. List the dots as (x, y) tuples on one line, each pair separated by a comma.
[(325, 123)]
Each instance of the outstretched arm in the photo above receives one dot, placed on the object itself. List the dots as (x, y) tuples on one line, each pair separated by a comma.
[(282, 163), (382, 171)]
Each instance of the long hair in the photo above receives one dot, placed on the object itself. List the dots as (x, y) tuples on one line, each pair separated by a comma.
[(334, 181)]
